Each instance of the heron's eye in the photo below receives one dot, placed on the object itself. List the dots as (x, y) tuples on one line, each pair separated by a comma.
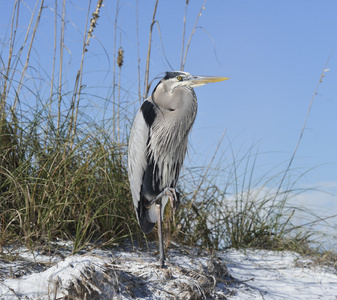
[(179, 78)]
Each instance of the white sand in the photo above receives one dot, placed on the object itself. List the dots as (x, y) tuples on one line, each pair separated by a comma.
[(127, 274)]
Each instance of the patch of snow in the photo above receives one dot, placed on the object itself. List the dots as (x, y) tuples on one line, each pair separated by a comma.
[(128, 273), (279, 275)]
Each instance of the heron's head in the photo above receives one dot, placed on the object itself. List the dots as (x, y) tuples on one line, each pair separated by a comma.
[(176, 79), (176, 88)]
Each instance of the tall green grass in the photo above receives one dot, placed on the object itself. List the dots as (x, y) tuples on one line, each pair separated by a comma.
[(50, 189), (63, 174)]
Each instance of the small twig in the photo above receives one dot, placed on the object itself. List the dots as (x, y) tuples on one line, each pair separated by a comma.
[(120, 60), (138, 57), (53, 68), (12, 290), (10, 56), (23, 73), (192, 33), (162, 46), (61, 68), (114, 74), (78, 82), (183, 41), (86, 38), (147, 70)]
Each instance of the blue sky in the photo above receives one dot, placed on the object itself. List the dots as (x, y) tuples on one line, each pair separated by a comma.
[(273, 51)]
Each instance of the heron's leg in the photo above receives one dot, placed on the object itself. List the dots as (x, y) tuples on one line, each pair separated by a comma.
[(171, 192), (160, 234)]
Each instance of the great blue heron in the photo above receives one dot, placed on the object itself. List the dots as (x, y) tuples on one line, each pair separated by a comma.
[(157, 146)]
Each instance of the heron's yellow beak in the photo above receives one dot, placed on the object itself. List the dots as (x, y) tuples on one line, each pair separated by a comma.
[(202, 80)]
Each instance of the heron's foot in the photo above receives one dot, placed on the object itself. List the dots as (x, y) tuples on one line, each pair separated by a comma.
[(175, 200), (173, 195)]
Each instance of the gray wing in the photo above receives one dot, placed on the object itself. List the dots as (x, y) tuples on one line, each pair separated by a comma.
[(137, 166)]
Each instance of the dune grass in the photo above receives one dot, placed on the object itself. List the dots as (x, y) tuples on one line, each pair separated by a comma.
[(51, 190), (63, 174)]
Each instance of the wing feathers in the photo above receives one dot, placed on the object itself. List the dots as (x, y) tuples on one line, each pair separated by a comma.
[(138, 165)]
